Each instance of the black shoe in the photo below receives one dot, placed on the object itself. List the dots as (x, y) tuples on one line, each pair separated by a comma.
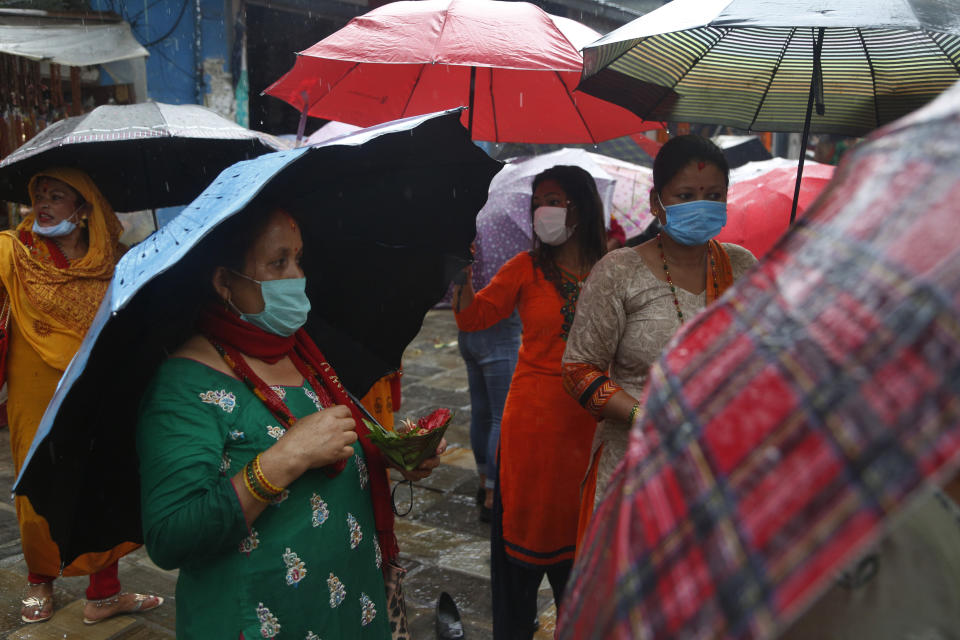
[(481, 495), (449, 626), (485, 514)]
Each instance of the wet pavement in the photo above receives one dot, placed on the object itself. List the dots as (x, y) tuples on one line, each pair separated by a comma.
[(443, 545)]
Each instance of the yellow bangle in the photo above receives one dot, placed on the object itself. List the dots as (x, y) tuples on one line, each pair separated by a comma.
[(633, 413), (262, 479)]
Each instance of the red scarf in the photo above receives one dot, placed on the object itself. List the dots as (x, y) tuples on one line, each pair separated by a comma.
[(229, 331)]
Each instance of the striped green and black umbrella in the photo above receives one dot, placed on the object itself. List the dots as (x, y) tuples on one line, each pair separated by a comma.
[(761, 65)]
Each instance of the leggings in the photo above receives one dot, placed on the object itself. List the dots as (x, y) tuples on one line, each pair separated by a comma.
[(103, 583)]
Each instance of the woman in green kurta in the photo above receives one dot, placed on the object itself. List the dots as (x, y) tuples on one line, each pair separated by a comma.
[(254, 482)]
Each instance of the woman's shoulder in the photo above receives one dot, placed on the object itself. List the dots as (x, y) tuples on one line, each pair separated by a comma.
[(519, 266), (740, 258), (522, 260), (621, 264), (194, 364)]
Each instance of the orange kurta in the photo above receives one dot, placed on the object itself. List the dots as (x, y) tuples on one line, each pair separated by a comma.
[(50, 311), (545, 435)]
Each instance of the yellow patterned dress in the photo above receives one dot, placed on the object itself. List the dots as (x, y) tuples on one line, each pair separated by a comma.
[(51, 304)]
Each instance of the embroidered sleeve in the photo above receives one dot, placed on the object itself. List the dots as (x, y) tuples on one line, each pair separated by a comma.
[(589, 386), (190, 508)]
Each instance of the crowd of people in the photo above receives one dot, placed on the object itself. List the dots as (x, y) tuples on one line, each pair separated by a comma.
[(256, 467)]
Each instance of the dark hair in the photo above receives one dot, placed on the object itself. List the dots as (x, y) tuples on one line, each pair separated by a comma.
[(678, 152), (590, 233)]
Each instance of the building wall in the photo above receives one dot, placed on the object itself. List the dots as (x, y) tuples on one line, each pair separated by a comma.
[(168, 29)]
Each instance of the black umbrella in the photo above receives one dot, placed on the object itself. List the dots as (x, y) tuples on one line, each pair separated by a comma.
[(761, 66), (141, 156), (387, 216)]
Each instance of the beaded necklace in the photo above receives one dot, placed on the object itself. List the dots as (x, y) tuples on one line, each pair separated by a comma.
[(570, 285), (673, 289)]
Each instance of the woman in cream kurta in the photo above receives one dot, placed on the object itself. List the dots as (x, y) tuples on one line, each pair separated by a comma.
[(625, 317)]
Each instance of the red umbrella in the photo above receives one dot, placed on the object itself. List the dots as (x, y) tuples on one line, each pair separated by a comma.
[(758, 208), (513, 64), (788, 423)]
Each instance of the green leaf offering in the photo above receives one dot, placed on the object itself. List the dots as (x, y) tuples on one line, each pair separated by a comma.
[(412, 442)]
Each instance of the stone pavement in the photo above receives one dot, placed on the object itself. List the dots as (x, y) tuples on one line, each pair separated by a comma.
[(443, 545)]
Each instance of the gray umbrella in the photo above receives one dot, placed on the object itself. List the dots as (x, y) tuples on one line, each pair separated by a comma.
[(761, 66), (141, 156)]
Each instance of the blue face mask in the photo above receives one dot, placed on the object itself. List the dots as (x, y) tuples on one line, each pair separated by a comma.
[(285, 305), (695, 223)]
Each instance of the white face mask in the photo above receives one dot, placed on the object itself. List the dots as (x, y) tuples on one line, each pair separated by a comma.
[(63, 228), (550, 225)]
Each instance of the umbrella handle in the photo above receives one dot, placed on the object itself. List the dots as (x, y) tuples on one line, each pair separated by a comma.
[(303, 118)]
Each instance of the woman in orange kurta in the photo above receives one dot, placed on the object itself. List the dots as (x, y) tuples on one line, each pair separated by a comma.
[(545, 435), (54, 270)]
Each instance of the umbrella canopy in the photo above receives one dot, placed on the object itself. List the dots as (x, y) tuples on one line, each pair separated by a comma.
[(141, 156), (761, 196), (514, 64), (331, 130), (739, 150), (630, 204), (760, 65), (387, 216), (504, 225), (749, 63), (791, 419)]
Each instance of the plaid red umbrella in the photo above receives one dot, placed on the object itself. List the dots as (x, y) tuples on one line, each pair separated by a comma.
[(758, 207), (513, 64), (789, 422)]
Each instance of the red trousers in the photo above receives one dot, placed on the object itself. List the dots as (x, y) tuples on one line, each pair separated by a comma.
[(103, 583)]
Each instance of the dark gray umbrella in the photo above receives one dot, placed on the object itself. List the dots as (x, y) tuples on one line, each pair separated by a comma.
[(141, 156), (761, 66)]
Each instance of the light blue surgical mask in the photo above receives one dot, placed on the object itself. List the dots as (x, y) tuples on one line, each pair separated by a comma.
[(694, 223), (63, 228), (285, 305)]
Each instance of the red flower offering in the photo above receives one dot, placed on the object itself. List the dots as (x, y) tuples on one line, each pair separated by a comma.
[(411, 442)]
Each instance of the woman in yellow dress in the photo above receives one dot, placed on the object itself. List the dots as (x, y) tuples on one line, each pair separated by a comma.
[(54, 269)]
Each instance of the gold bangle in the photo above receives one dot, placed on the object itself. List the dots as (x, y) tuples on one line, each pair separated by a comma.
[(633, 413), (262, 478), (247, 477)]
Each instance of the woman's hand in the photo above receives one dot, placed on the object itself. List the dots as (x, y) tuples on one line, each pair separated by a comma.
[(320, 438), (426, 467), (314, 441)]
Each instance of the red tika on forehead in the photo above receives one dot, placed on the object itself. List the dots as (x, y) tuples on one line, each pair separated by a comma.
[(701, 165)]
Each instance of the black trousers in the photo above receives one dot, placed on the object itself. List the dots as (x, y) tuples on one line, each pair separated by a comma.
[(515, 585)]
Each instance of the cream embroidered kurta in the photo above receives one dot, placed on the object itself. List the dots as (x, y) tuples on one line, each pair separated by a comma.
[(625, 317)]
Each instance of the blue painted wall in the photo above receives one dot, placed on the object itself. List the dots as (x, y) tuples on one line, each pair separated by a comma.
[(167, 26)]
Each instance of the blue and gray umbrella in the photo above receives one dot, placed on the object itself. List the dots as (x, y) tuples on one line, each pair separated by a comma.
[(387, 216)]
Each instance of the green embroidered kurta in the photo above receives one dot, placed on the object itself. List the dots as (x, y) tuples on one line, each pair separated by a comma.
[(309, 567)]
